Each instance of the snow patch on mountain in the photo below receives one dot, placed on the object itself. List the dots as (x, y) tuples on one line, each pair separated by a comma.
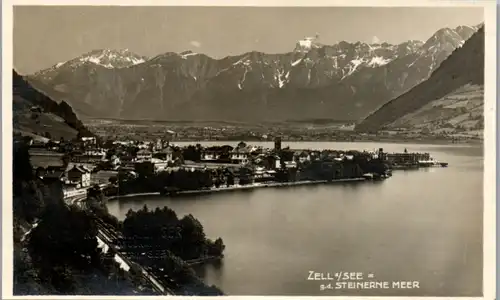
[(112, 58), (296, 62), (378, 61), (245, 61), (279, 78), (186, 54), (354, 64)]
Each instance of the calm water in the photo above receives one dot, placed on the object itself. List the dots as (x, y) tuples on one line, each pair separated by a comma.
[(423, 225)]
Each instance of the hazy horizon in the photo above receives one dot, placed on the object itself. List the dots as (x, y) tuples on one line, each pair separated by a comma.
[(61, 33)]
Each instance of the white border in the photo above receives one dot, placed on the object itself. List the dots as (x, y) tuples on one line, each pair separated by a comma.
[(489, 244)]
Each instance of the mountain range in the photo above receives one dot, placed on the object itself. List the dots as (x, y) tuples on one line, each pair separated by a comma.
[(345, 81), (451, 101)]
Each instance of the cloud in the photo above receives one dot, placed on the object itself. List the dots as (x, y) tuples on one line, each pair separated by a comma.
[(375, 40), (195, 43)]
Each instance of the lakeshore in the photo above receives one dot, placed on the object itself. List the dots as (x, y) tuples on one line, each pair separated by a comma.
[(242, 187)]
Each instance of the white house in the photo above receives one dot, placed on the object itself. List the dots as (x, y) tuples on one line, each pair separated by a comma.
[(90, 140), (277, 164), (240, 155), (210, 155), (79, 175), (144, 155), (159, 165)]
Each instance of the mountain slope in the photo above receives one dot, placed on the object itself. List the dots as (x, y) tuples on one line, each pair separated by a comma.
[(345, 81), (36, 114), (459, 113), (457, 75)]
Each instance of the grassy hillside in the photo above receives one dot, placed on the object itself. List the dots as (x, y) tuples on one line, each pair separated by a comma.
[(36, 114), (465, 66), (458, 113)]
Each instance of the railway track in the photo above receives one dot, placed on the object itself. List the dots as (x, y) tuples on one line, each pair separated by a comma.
[(109, 235)]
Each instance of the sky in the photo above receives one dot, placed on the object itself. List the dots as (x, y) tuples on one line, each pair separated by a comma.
[(46, 35)]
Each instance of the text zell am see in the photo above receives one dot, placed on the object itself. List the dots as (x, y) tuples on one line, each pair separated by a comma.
[(357, 280)]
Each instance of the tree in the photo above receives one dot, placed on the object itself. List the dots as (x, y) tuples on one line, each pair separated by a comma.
[(95, 198), (216, 248), (22, 168), (193, 238), (113, 179), (192, 153), (66, 159), (65, 238), (230, 179)]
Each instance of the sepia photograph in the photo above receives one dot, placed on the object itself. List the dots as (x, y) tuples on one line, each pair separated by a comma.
[(197, 150)]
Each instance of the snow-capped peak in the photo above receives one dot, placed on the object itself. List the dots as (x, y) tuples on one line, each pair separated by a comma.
[(185, 54), (444, 38), (109, 59), (112, 58), (307, 43), (466, 31)]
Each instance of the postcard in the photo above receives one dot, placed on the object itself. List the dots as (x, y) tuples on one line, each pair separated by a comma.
[(249, 148)]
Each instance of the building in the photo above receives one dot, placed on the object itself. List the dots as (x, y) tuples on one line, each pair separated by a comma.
[(144, 155), (277, 162), (405, 158), (159, 144), (151, 167), (277, 144), (290, 164), (166, 154), (169, 153), (262, 175), (89, 157), (79, 175), (240, 155), (159, 165), (210, 154), (302, 156), (89, 141)]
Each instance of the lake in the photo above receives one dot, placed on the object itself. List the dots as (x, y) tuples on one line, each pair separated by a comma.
[(419, 225)]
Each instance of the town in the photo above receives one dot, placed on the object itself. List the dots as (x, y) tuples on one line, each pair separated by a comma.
[(87, 172), (131, 167)]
